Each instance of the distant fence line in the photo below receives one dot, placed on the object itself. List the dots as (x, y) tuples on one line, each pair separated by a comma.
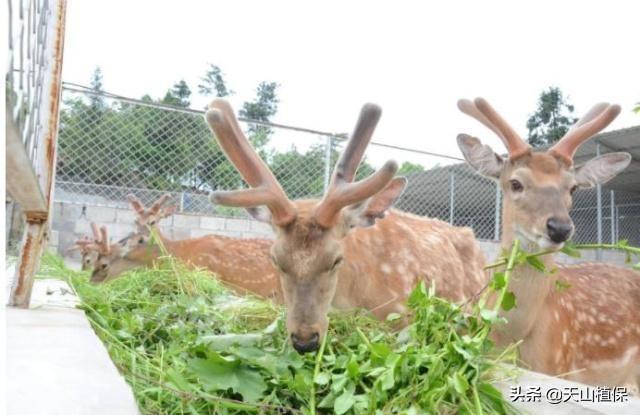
[(110, 146)]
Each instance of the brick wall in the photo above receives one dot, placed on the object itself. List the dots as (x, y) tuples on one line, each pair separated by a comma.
[(72, 221)]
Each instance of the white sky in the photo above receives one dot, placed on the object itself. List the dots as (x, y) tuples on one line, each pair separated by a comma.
[(331, 57)]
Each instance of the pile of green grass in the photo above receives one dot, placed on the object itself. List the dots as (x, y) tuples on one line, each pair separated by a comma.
[(187, 345)]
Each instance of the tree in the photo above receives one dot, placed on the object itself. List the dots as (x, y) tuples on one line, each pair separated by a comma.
[(301, 174), (637, 108), (97, 101), (408, 168), (178, 95), (213, 83), (552, 119), (262, 108)]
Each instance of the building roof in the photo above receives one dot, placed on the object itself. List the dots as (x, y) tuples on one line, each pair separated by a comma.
[(627, 140)]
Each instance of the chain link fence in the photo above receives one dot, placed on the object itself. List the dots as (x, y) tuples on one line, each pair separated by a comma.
[(110, 146)]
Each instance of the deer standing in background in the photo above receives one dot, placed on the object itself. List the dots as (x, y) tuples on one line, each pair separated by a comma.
[(242, 264), (591, 330), (328, 252)]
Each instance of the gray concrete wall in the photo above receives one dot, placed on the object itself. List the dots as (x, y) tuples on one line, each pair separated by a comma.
[(72, 221), (492, 251)]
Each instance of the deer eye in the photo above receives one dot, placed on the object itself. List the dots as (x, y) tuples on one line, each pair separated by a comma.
[(104, 266), (573, 188), (337, 262), (516, 186)]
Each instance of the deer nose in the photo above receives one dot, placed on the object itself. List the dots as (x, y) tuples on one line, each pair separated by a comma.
[(559, 230), (304, 345)]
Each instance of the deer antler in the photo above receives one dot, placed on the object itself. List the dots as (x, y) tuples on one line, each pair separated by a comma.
[(103, 243), (342, 192), (265, 189), (482, 111), (84, 245), (158, 208), (596, 120), (155, 208), (135, 204)]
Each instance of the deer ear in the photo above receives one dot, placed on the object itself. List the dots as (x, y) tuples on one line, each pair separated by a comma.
[(260, 213), (365, 214), (601, 169), (480, 157)]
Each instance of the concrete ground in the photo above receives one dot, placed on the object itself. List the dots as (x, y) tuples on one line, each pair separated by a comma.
[(55, 362)]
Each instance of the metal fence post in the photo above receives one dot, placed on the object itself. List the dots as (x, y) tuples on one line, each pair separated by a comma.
[(612, 216), (181, 202), (327, 163), (452, 187), (599, 211), (496, 229)]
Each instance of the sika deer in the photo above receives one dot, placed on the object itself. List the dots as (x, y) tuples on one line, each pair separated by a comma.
[(591, 330), (329, 253), (88, 250), (242, 264)]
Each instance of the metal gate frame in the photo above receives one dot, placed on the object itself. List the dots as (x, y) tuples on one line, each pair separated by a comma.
[(36, 43)]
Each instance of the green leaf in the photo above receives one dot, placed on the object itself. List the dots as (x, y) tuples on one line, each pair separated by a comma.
[(498, 280), (221, 342), (535, 262), (322, 378), (460, 383), (570, 249), (338, 382), (344, 402), (380, 349), (387, 380), (174, 377), (393, 317), (489, 315), (328, 401), (219, 373), (353, 368), (508, 301)]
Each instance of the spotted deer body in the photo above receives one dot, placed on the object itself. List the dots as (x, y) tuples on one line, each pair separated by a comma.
[(405, 247), (348, 249), (588, 331), (242, 264)]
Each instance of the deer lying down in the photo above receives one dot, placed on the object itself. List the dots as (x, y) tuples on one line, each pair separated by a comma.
[(329, 253), (242, 264), (88, 250), (591, 330)]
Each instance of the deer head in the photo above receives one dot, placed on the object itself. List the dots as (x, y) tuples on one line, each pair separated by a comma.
[(308, 250), (147, 217), (88, 252), (538, 185), (111, 259), (134, 250)]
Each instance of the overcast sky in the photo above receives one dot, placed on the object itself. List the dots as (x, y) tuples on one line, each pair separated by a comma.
[(331, 57)]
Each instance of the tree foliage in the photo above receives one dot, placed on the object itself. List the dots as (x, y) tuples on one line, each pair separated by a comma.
[(552, 118), (407, 168), (213, 83), (141, 146)]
